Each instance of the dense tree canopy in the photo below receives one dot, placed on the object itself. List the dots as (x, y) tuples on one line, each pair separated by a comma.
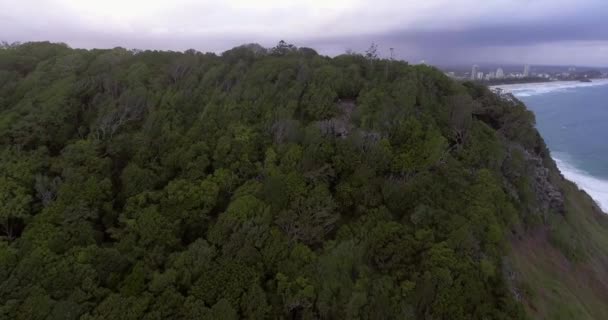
[(259, 183)]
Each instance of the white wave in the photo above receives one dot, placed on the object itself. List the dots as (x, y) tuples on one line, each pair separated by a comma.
[(532, 89), (596, 188)]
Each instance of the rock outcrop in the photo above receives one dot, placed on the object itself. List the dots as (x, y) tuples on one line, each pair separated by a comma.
[(549, 198)]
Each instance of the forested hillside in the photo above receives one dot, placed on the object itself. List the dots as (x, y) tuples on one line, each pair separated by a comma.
[(267, 184)]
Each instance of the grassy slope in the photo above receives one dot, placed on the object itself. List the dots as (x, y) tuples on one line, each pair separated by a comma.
[(562, 269)]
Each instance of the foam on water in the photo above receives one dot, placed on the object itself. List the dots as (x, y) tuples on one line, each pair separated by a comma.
[(532, 89), (596, 188), (571, 167)]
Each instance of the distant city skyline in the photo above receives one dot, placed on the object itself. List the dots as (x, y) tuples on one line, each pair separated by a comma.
[(524, 73)]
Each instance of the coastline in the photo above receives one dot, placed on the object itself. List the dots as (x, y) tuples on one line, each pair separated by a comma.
[(536, 88), (545, 82), (596, 187)]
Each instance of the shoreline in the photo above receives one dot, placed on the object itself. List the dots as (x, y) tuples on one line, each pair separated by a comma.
[(595, 186), (546, 82), (521, 90)]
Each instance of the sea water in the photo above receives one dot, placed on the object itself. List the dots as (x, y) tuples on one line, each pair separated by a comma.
[(572, 117)]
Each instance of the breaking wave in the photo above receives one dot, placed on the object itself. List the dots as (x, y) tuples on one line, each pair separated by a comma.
[(595, 187)]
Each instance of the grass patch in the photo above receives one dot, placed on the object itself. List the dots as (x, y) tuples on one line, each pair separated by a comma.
[(562, 271)]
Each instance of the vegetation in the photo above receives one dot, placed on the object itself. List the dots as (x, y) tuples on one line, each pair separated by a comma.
[(260, 183), (563, 266)]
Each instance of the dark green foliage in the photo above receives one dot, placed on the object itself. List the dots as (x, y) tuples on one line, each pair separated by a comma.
[(262, 183)]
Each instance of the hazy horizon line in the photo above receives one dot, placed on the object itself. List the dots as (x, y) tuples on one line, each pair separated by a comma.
[(346, 50)]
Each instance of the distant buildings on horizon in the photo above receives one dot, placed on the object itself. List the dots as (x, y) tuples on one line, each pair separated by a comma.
[(500, 74), (527, 73)]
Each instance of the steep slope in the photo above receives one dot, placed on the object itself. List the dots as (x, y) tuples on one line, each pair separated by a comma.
[(562, 266), (557, 266), (277, 183)]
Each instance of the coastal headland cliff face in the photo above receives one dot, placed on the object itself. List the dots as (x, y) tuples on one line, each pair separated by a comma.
[(280, 184)]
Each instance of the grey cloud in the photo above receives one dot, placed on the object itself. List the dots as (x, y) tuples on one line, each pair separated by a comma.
[(545, 33), (511, 42)]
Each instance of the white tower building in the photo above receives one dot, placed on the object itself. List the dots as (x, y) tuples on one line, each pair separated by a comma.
[(474, 72), (500, 73), (526, 70)]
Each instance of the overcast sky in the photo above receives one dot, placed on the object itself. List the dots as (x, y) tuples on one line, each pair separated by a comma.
[(438, 31)]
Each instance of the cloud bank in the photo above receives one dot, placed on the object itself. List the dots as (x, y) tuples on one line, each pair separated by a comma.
[(439, 31)]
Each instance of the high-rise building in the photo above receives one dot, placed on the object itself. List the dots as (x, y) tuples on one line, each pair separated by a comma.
[(500, 73), (474, 72), (479, 75), (526, 70)]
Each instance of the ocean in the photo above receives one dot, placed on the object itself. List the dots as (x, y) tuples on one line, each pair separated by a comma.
[(572, 117)]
